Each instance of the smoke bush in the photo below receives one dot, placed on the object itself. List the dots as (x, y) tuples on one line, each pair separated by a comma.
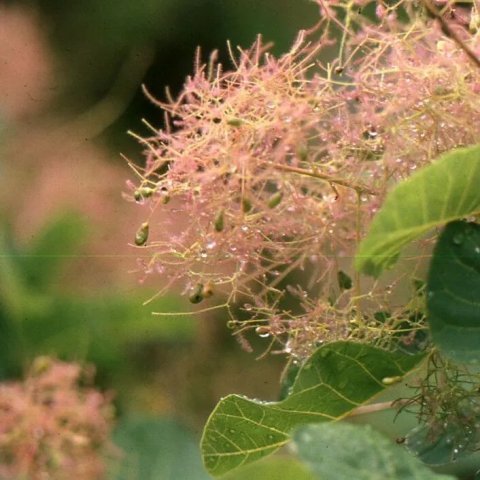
[(267, 174), (52, 425)]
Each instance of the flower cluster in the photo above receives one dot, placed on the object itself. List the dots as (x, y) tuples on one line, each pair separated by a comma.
[(268, 174), (51, 426)]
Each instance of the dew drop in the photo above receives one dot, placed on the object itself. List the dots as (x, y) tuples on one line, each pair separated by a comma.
[(458, 238), (248, 307), (263, 331), (232, 431), (211, 245)]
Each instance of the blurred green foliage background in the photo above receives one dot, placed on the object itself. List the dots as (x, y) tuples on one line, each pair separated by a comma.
[(70, 88)]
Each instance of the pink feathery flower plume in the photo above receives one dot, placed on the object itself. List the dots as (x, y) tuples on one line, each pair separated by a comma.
[(267, 175)]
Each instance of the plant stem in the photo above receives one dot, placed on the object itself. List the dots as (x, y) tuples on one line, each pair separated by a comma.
[(327, 178), (451, 32), (376, 407)]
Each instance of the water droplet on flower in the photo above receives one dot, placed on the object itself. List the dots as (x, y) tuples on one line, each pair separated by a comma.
[(263, 331), (211, 245), (288, 347)]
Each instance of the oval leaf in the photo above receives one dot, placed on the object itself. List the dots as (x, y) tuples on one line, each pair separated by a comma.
[(273, 468), (453, 292), (341, 450), (445, 191), (335, 380)]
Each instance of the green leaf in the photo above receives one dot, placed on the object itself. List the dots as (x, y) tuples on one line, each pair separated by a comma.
[(156, 449), (274, 468), (342, 450), (453, 292), (336, 379), (445, 191), (453, 442), (289, 378)]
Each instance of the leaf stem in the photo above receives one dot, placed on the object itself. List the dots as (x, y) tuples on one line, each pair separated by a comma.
[(376, 407)]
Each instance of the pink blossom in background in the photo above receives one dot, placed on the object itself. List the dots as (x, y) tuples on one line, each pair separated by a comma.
[(53, 424)]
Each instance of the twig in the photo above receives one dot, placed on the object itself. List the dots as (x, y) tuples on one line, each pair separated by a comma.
[(327, 178), (451, 32)]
